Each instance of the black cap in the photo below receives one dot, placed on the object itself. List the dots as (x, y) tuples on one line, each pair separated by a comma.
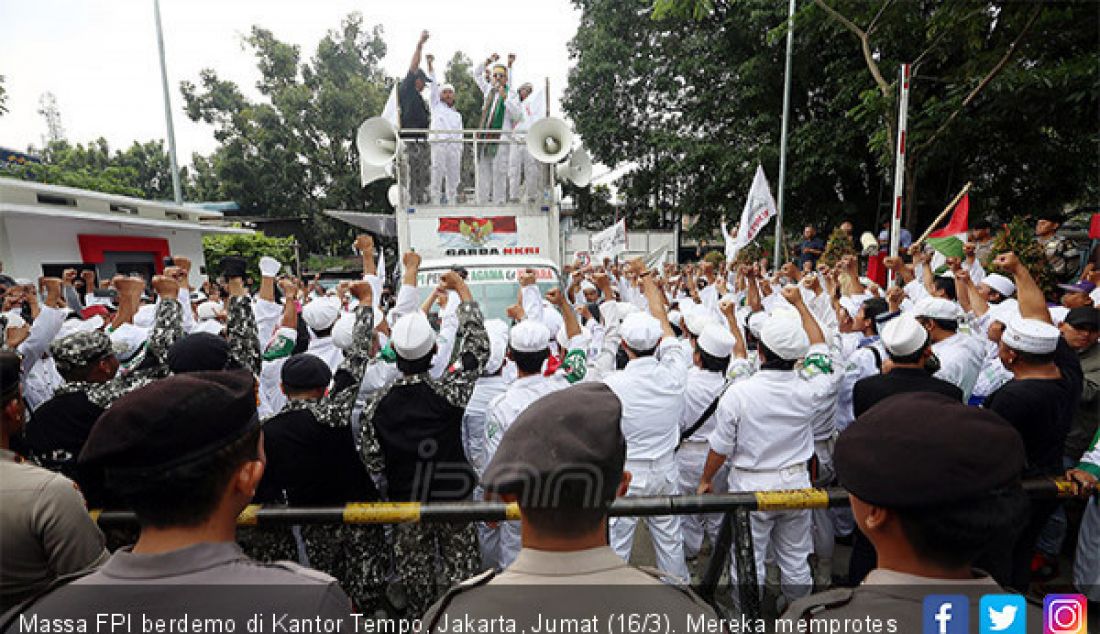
[(1084, 318), (922, 449), (569, 435), (233, 266), (305, 372), (199, 352), (173, 421), (1053, 216)]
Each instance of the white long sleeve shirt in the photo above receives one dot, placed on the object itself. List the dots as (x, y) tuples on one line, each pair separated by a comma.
[(505, 408), (700, 391), (961, 358), (651, 390), (444, 117)]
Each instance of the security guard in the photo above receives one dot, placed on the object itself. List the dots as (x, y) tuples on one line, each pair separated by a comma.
[(651, 389), (187, 483), (766, 427), (928, 523), (564, 476), (45, 529)]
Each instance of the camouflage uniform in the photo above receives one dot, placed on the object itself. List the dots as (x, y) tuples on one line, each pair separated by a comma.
[(431, 557), (241, 332), (357, 556), (1063, 257)]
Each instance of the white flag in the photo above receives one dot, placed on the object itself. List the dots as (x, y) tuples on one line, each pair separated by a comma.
[(609, 242), (389, 112), (759, 209)]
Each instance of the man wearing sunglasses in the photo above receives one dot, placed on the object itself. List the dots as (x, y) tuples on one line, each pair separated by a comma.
[(492, 166)]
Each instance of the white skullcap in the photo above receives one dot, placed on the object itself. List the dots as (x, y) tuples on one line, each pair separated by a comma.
[(850, 305), (785, 337), (716, 341), (73, 326), (343, 331), (675, 317), (321, 314), (641, 331), (529, 335), (15, 320), (498, 344), (212, 326), (903, 335), (1030, 335), (446, 87), (145, 316), (208, 310), (1000, 283), (126, 341), (1004, 312), (755, 321), (937, 308), (588, 286), (696, 321), (269, 266), (413, 336)]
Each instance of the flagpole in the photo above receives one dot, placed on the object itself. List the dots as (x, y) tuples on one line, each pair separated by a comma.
[(899, 165), (946, 210), (176, 191), (783, 137)]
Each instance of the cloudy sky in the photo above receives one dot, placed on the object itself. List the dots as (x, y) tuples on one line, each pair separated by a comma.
[(99, 57)]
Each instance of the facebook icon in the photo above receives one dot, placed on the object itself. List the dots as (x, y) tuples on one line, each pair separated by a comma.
[(946, 614)]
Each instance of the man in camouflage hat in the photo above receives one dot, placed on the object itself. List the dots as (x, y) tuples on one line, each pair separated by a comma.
[(87, 362)]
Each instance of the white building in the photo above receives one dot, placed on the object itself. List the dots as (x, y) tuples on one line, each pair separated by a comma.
[(47, 228)]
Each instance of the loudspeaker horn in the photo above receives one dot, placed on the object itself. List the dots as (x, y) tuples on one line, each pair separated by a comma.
[(549, 140), (377, 142), (577, 170), (369, 173), (393, 195)]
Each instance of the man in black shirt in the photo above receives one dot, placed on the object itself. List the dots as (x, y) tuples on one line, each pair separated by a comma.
[(414, 115), (1039, 402)]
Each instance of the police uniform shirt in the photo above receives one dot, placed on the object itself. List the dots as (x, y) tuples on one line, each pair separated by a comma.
[(886, 594), (584, 584), (961, 358), (143, 587), (702, 388), (311, 464), (872, 389), (652, 390), (766, 422), (45, 529)]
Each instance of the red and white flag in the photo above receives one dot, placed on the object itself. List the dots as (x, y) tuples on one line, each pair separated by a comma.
[(465, 232)]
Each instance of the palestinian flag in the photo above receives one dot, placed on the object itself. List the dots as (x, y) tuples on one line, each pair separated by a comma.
[(948, 242)]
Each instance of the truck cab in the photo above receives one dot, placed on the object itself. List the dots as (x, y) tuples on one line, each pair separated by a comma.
[(492, 279)]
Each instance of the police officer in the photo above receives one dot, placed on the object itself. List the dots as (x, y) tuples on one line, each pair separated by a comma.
[(565, 555), (45, 529), (412, 432), (187, 483), (765, 428), (651, 389), (927, 522)]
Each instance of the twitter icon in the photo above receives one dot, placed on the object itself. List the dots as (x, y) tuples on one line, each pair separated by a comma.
[(1003, 614)]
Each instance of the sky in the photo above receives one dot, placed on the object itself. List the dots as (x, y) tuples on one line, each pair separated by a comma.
[(99, 57)]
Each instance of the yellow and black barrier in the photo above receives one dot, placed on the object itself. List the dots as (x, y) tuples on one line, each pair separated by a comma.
[(413, 512)]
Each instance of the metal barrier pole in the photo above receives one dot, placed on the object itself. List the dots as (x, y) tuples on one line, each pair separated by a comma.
[(719, 555), (748, 587)]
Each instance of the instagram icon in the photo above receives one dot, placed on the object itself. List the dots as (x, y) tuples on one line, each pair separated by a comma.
[(1064, 614)]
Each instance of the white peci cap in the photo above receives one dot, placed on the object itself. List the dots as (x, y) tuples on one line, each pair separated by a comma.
[(641, 331), (903, 335), (498, 344), (321, 313), (529, 335), (588, 286), (785, 337), (1030, 335), (716, 341), (343, 331), (413, 337), (696, 321), (1000, 283), (937, 308), (208, 310)]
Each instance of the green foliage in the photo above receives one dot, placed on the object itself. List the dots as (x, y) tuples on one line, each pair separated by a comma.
[(292, 152), (250, 247), (142, 170), (1019, 237), (838, 246), (319, 263), (714, 257)]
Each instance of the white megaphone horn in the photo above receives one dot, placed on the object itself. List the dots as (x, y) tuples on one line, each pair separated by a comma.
[(393, 195), (369, 173), (377, 142), (577, 170), (549, 140)]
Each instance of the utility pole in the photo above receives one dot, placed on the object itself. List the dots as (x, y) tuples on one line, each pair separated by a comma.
[(783, 138), (176, 191)]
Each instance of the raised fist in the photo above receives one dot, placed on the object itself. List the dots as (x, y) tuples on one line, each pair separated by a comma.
[(424, 36), (362, 291), (129, 285), (364, 243), (182, 261), (165, 286), (893, 262), (555, 297), (515, 312), (1007, 261), (68, 275), (792, 294), (411, 260), (452, 280)]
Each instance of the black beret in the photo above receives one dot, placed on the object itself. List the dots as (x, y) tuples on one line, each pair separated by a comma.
[(922, 449), (173, 421), (1084, 318), (200, 352), (573, 433), (305, 372)]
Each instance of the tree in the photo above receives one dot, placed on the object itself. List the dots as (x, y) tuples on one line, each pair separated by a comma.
[(251, 247), (3, 97), (47, 107), (292, 152)]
